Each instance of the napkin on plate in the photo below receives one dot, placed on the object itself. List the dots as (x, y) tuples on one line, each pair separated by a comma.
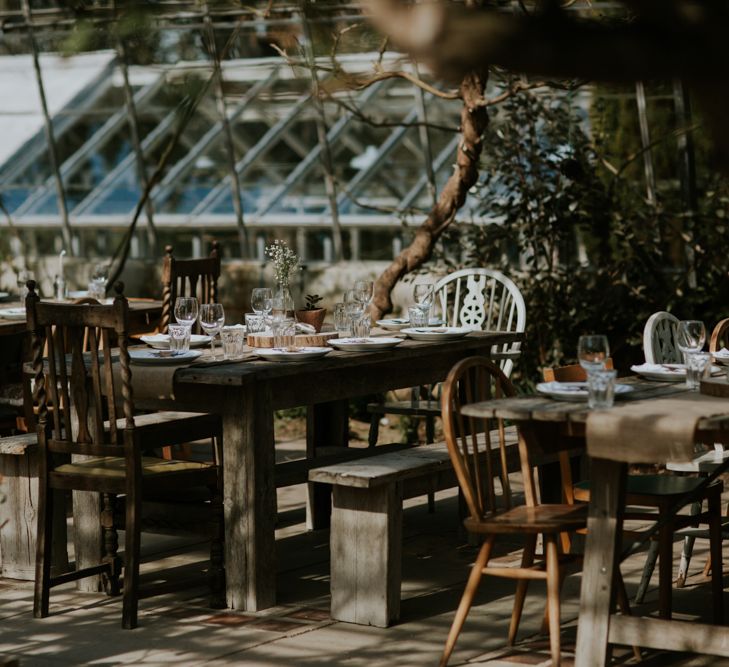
[(659, 368)]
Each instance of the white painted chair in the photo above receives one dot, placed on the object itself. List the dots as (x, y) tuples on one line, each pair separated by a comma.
[(481, 299), (659, 339)]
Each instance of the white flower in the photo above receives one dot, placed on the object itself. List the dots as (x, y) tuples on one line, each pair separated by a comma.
[(285, 261)]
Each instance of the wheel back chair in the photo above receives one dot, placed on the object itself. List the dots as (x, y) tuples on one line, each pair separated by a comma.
[(96, 422), (470, 381), (476, 298), (661, 492), (188, 277)]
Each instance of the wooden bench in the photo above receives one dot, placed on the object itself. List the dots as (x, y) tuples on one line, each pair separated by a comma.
[(366, 527), (18, 510)]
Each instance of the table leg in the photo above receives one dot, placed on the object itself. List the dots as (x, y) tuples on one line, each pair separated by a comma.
[(327, 425), (604, 527), (249, 498)]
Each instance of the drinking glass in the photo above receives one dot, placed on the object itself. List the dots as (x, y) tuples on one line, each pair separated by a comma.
[(233, 342), (99, 278), (284, 334), (355, 311), (261, 298), (601, 388), (255, 323), (593, 352), (363, 291), (342, 322), (361, 327), (212, 318), (186, 310), (417, 317), (423, 295), (690, 335), (696, 364), (179, 337)]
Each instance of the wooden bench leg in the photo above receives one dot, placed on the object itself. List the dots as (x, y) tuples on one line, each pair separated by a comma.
[(366, 554)]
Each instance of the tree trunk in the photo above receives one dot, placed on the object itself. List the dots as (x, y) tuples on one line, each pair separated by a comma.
[(474, 120)]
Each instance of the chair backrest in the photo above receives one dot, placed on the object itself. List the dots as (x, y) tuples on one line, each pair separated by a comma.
[(84, 381), (469, 439), (659, 339), (483, 299), (720, 336), (188, 277), (571, 373)]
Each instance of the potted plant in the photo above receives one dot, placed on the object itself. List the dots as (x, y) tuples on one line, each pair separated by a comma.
[(312, 314)]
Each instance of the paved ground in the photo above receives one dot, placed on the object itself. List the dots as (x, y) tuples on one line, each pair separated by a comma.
[(176, 628)]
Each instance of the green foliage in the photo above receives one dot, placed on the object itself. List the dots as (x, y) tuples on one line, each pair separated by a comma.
[(313, 301), (587, 251)]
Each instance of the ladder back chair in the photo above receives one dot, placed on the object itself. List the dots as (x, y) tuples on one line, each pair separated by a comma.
[(470, 381), (188, 277), (659, 339), (476, 298), (660, 492), (94, 419)]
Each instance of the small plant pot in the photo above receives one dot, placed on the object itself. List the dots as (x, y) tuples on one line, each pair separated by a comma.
[(313, 317)]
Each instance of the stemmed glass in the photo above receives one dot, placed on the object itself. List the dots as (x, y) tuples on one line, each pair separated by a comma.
[(186, 310), (593, 352), (212, 318), (363, 292), (261, 298), (423, 295), (690, 336)]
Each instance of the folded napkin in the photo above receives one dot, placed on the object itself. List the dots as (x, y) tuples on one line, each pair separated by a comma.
[(651, 431), (660, 368), (304, 328)]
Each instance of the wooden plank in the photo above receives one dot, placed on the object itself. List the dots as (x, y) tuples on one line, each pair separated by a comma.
[(249, 498), (18, 445), (366, 558), (302, 340), (683, 636), (604, 525)]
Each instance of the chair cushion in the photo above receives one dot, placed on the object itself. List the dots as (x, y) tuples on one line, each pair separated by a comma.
[(114, 466)]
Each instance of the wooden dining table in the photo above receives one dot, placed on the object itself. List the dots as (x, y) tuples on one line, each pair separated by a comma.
[(247, 393), (560, 424)]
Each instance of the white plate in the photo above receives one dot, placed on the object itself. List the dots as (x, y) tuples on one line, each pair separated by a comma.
[(78, 294), (364, 344), (437, 333), (399, 323), (12, 313), (162, 357), (666, 372), (575, 391), (302, 354), (162, 341), (721, 357)]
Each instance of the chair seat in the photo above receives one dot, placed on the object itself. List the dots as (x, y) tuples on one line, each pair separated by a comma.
[(406, 408), (115, 466), (538, 519), (171, 428), (706, 463), (651, 489)]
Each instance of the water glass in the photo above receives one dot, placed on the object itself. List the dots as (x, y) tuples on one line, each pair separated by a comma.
[(696, 365), (593, 352), (212, 318), (342, 322), (179, 337), (361, 326), (601, 388), (255, 323), (261, 298), (417, 316), (186, 310), (284, 334), (233, 342)]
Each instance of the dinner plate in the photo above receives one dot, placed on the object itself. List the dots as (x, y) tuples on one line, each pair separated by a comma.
[(399, 323), (162, 341), (666, 372), (721, 357), (302, 354), (436, 333), (364, 344), (575, 391), (12, 313), (162, 357)]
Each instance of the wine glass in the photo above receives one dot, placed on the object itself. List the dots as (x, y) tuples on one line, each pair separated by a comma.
[(593, 352), (212, 318), (690, 336), (186, 310), (261, 298), (423, 295), (363, 291), (99, 278)]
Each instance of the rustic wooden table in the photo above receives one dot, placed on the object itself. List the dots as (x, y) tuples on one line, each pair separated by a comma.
[(551, 421), (246, 395)]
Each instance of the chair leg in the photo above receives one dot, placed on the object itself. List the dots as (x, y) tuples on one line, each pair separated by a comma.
[(131, 566), (44, 545), (688, 547), (467, 600), (650, 565), (216, 574), (553, 584), (665, 569), (374, 430), (111, 545), (717, 588), (527, 560), (429, 429), (621, 596)]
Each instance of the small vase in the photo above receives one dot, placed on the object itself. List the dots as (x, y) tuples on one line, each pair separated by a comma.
[(283, 292)]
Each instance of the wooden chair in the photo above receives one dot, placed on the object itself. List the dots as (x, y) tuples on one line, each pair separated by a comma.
[(477, 379), (112, 441), (661, 492), (659, 339), (188, 277), (480, 299)]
